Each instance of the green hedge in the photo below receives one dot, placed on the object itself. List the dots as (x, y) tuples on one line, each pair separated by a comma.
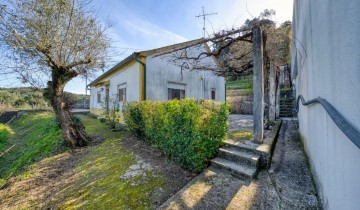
[(187, 131)]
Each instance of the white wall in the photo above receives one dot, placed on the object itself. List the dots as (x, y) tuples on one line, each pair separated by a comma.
[(326, 63), (128, 76), (93, 97), (159, 72)]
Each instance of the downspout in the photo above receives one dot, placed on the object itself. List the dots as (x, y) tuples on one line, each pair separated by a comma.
[(144, 65), (225, 90)]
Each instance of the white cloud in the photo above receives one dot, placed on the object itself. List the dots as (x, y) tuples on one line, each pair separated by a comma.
[(154, 34)]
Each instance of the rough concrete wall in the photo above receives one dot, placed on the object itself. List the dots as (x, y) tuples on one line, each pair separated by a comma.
[(198, 84), (326, 63)]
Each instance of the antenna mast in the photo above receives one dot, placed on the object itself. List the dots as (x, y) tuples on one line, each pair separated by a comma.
[(203, 15)]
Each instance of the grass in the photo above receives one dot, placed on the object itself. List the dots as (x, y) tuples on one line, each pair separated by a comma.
[(5, 133), (245, 82), (99, 183), (240, 135), (240, 92), (35, 136), (90, 179), (285, 88)]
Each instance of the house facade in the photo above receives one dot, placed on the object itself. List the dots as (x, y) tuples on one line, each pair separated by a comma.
[(326, 64), (147, 75)]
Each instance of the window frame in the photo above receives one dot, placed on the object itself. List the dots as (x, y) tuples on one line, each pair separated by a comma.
[(213, 91), (98, 96), (123, 88), (181, 93)]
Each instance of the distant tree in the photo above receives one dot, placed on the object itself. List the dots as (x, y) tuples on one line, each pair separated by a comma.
[(56, 39), (6, 97), (70, 99), (277, 42), (6, 100), (36, 100)]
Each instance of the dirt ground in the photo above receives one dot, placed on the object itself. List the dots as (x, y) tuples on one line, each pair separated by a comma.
[(175, 176)]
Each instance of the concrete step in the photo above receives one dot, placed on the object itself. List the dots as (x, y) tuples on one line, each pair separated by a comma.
[(242, 171), (238, 145), (286, 111), (286, 105), (286, 115), (241, 157)]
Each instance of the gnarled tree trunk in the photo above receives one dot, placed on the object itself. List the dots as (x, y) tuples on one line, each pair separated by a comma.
[(73, 133)]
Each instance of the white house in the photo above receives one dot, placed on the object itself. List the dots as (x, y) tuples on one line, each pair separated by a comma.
[(147, 75), (326, 64)]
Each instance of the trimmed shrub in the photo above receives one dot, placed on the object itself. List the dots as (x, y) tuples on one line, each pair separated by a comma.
[(187, 131)]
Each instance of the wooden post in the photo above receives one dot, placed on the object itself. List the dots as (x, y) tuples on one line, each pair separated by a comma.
[(258, 86), (272, 92)]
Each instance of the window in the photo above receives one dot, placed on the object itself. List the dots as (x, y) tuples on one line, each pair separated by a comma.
[(175, 94), (107, 98), (122, 94), (213, 92), (99, 96), (176, 90)]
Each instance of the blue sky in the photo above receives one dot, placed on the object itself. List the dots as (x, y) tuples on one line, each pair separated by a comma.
[(147, 24)]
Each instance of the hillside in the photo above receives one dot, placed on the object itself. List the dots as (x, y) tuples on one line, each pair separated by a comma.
[(116, 172)]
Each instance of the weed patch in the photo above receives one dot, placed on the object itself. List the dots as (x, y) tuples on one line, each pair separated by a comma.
[(240, 135)]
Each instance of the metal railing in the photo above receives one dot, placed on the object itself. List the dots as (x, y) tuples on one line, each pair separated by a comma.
[(345, 126)]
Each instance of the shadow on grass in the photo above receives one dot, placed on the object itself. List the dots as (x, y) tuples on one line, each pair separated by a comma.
[(35, 136), (88, 178)]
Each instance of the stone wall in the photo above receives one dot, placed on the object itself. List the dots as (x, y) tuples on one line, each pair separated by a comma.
[(241, 104)]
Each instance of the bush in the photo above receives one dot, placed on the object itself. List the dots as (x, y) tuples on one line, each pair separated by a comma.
[(187, 131), (5, 132)]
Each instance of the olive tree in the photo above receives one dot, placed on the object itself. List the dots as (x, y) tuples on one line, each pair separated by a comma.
[(51, 42)]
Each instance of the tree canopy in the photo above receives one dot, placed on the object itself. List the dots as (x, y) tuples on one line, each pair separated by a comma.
[(49, 42)]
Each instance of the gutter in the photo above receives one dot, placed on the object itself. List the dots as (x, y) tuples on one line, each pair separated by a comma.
[(144, 65)]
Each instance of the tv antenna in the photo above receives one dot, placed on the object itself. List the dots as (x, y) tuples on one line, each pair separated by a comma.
[(203, 15)]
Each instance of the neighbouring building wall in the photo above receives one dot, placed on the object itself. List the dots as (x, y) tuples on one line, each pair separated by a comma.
[(326, 63), (161, 75)]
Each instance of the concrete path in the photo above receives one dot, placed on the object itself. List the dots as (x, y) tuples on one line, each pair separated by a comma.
[(287, 185), (289, 171), (79, 111), (240, 122)]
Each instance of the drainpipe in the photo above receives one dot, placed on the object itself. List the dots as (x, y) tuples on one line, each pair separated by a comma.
[(225, 90), (144, 65)]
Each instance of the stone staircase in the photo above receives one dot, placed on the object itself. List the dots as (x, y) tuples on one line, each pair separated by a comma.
[(242, 159), (287, 103), (286, 107)]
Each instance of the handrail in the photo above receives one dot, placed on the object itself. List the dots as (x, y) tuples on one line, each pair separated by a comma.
[(345, 126)]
